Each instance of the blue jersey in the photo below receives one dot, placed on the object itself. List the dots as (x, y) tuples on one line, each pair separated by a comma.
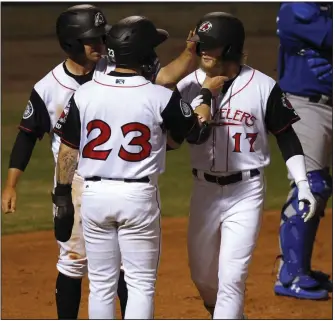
[(305, 63)]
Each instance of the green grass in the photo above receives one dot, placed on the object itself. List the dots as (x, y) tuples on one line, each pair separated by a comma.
[(34, 203)]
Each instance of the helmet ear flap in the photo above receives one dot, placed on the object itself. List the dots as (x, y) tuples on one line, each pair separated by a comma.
[(73, 47)]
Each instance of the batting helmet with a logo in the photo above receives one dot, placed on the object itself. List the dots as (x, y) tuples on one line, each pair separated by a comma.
[(79, 22), (131, 43), (220, 29)]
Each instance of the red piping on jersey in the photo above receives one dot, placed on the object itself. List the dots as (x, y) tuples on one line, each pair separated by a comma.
[(214, 138), (121, 86), (61, 83), (228, 124), (24, 128), (252, 76), (285, 127), (196, 77), (69, 144), (58, 132), (227, 150)]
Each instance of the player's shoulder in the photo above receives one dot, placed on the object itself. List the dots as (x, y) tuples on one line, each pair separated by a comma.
[(258, 77), (303, 11), (158, 93), (45, 84), (55, 79), (190, 79)]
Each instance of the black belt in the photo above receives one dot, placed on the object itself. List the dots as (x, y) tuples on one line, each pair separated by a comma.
[(225, 180), (126, 180), (318, 99)]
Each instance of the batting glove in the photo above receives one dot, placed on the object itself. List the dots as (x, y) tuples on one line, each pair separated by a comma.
[(197, 101), (307, 202)]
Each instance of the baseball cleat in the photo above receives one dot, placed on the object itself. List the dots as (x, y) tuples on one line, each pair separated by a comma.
[(297, 292)]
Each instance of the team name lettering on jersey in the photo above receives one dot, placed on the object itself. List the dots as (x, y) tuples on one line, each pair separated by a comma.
[(236, 117), (252, 106)]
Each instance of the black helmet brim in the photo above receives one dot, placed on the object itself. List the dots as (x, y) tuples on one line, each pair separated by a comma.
[(208, 43), (161, 37), (94, 33)]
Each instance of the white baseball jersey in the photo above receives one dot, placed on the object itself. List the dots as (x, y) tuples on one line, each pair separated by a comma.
[(252, 105), (49, 97), (119, 123)]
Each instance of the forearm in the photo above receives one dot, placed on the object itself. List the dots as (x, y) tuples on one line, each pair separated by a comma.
[(13, 177), (179, 68), (292, 152), (66, 164), (173, 143), (20, 156), (22, 150)]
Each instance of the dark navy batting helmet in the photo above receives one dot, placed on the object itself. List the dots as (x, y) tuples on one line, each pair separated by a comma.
[(220, 29), (131, 43), (77, 23)]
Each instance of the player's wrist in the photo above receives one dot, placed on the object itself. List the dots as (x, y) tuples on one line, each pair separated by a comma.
[(10, 185), (63, 189), (206, 96), (297, 168), (303, 184)]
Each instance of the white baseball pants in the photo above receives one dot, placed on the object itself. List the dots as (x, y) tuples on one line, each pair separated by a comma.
[(121, 220)]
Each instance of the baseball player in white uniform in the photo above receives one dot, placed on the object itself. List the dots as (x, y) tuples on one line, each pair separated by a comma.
[(228, 190), (118, 124), (80, 31)]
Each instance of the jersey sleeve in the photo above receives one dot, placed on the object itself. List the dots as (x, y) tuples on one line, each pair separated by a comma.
[(279, 112), (35, 118), (60, 122), (71, 127), (183, 88), (178, 117)]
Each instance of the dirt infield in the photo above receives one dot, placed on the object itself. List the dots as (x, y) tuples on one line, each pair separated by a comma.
[(28, 277)]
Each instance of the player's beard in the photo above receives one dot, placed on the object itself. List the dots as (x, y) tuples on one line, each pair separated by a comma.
[(213, 67)]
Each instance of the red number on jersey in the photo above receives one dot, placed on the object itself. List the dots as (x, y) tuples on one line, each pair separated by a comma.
[(237, 138), (252, 137), (142, 141), (105, 134)]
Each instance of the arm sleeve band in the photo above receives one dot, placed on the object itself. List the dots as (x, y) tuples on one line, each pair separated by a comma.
[(22, 150), (289, 143)]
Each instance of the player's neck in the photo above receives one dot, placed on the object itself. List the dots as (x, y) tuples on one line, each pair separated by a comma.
[(79, 68), (231, 70), (126, 70)]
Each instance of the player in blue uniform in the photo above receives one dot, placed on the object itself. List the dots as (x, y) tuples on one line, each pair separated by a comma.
[(305, 74)]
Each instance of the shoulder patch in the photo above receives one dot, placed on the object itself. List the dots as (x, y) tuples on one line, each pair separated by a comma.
[(185, 108), (286, 103), (28, 112)]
